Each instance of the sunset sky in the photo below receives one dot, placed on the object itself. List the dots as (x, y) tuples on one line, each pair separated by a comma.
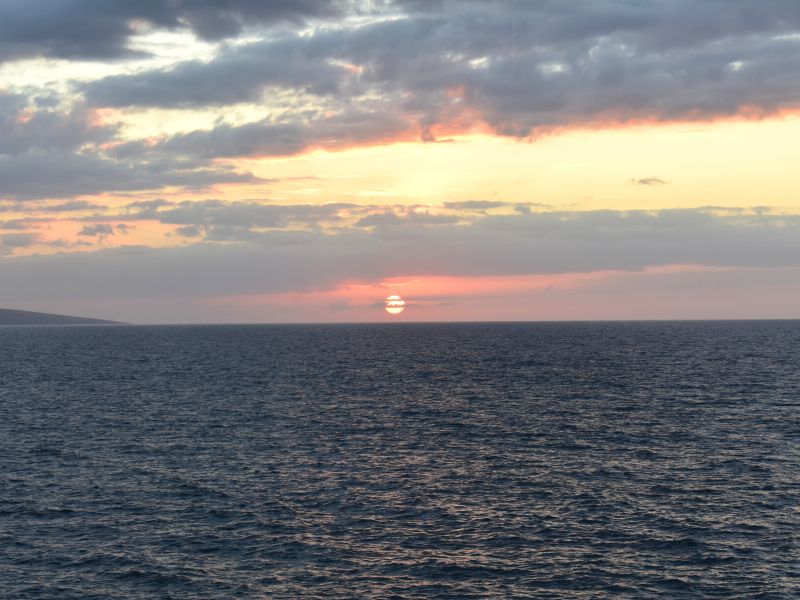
[(301, 160)]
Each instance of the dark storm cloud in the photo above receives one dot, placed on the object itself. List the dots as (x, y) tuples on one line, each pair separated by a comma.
[(537, 243), (101, 29)]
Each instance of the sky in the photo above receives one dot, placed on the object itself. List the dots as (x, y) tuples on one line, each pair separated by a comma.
[(204, 161)]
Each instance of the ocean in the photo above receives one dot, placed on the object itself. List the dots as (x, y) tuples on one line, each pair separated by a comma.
[(543, 460)]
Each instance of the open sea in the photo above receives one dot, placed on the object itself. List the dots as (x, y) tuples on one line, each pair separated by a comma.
[(563, 460)]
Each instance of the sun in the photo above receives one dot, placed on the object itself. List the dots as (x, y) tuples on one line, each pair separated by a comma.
[(394, 305)]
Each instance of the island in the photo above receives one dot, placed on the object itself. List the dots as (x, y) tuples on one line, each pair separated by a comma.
[(24, 317)]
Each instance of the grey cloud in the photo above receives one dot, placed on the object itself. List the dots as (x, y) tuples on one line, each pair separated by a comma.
[(524, 67), (52, 153), (55, 175), (11, 103), (216, 220), (649, 181), (98, 29), (189, 231), (246, 214), (663, 23), (15, 224), (18, 240), (389, 218), (239, 75), (22, 224), (48, 130), (74, 205), (537, 243), (342, 305), (381, 219), (521, 67), (47, 207), (267, 138), (212, 19), (474, 204), (97, 229), (149, 205)]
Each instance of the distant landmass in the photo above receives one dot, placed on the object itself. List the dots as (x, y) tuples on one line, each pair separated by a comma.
[(24, 317)]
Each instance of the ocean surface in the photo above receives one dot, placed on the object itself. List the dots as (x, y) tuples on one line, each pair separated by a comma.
[(584, 460)]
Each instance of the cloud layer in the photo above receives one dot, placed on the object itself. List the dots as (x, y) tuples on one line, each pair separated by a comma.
[(517, 67), (250, 249), (335, 74), (95, 29)]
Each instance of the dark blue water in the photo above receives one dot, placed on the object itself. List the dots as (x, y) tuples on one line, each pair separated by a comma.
[(601, 460)]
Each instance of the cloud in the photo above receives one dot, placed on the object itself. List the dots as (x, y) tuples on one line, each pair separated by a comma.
[(148, 205), (56, 152), (288, 260), (381, 219), (190, 231), (392, 218), (239, 75), (267, 138), (18, 240), (36, 175), (649, 181), (59, 207), (92, 29), (245, 214), (75, 205), (474, 205), (97, 229), (23, 129), (516, 68), (217, 219), (519, 68)]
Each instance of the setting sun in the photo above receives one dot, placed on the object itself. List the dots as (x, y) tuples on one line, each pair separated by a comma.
[(394, 305)]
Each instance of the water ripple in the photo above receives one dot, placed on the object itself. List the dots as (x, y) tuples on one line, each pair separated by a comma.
[(597, 460)]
